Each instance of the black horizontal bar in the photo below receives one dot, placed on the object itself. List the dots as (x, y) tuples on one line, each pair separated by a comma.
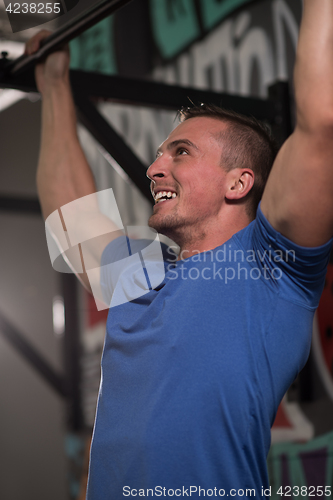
[(25, 81), (150, 94), (113, 143), (164, 96), (17, 340), (66, 33), (20, 205)]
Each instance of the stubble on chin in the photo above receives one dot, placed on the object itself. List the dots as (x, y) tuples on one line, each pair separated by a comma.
[(167, 224)]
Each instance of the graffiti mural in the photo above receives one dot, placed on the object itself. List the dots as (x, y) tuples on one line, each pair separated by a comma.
[(244, 55)]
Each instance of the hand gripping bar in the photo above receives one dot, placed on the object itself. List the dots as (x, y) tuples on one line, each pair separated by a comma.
[(63, 35)]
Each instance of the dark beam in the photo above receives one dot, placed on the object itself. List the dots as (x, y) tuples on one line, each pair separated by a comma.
[(72, 351), (25, 82), (113, 143), (163, 96), (281, 124), (150, 94), (28, 206), (29, 353)]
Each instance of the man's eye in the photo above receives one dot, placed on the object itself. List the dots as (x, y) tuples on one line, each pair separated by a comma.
[(182, 151)]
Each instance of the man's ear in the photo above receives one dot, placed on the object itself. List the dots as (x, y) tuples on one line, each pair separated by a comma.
[(241, 182)]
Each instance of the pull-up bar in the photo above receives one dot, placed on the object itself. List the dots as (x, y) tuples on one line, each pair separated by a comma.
[(19, 74), (70, 30)]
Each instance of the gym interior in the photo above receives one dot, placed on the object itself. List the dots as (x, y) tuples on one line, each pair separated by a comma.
[(133, 65)]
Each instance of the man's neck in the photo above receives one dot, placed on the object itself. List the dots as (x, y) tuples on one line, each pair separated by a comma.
[(210, 237)]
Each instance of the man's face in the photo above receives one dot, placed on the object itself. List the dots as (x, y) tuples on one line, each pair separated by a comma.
[(188, 168)]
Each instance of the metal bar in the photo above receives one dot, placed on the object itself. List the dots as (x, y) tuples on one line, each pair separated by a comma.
[(29, 353), (29, 206), (113, 143), (282, 124), (164, 96), (150, 94), (25, 81), (66, 33), (72, 351)]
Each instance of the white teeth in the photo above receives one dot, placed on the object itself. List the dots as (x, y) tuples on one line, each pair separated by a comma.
[(164, 194)]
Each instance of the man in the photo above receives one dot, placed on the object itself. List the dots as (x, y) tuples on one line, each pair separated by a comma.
[(193, 371)]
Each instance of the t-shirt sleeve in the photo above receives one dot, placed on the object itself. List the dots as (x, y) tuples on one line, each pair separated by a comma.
[(297, 273)]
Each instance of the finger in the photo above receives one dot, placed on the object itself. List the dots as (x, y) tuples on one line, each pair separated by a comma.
[(33, 44)]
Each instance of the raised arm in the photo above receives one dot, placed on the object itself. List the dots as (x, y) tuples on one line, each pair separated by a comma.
[(63, 174), (298, 198)]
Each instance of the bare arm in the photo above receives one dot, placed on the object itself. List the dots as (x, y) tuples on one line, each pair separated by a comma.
[(63, 174), (298, 198)]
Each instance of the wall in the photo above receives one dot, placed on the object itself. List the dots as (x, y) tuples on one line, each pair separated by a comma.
[(32, 415)]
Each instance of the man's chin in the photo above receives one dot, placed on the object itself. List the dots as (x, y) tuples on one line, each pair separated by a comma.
[(155, 223), (164, 225)]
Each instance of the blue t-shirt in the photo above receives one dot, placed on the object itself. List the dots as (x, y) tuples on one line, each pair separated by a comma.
[(194, 370)]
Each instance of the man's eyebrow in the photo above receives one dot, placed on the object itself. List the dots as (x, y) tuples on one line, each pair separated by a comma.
[(176, 143)]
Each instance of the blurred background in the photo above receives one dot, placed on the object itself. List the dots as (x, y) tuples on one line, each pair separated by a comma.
[(51, 334)]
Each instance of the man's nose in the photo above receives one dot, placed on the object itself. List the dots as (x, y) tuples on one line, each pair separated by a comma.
[(156, 170)]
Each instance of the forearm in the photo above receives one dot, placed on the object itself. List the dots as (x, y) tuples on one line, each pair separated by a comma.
[(314, 67), (63, 174), (64, 179)]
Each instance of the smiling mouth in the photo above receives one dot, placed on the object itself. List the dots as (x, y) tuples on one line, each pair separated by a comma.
[(164, 196)]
